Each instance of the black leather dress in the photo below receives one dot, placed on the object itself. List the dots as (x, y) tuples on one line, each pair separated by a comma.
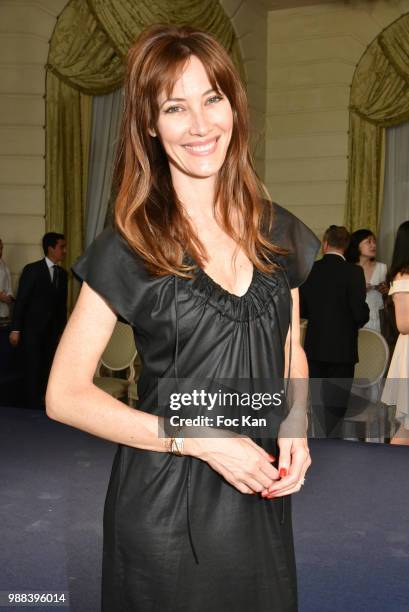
[(177, 536)]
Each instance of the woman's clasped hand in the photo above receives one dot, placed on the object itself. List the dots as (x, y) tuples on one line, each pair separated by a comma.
[(249, 468)]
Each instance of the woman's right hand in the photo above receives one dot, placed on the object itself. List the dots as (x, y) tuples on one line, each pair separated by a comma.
[(240, 461), (383, 288)]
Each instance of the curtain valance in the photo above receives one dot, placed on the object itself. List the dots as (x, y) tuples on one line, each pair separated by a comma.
[(379, 99)]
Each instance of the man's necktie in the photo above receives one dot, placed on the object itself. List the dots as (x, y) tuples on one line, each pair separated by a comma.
[(55, 276)]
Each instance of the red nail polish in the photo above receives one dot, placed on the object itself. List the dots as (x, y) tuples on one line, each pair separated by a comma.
[(282, 472), (271, 457)]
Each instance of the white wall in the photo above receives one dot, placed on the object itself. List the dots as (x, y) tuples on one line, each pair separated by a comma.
[(25, 29), (312, 55)]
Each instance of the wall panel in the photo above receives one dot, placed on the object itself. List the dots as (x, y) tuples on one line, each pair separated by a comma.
[(25, 29)]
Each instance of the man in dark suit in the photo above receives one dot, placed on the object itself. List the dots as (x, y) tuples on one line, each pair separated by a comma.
[(333, 300), (39, 316)]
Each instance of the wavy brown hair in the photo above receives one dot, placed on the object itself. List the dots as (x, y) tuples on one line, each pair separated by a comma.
[(147, 211)]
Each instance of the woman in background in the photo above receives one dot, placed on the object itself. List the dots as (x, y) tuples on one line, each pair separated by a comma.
[(396, 391), (362, 251)]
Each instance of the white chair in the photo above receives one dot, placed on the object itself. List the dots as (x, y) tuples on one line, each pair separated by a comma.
[(365, 411), (373, 354), (119, 354)]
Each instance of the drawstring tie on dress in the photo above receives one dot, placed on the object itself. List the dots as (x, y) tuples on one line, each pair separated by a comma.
[(189, 458)]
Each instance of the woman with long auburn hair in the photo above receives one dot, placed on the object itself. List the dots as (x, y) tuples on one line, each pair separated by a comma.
[(206, 271)]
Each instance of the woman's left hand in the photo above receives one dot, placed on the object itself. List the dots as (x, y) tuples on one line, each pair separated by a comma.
[(293, 464)]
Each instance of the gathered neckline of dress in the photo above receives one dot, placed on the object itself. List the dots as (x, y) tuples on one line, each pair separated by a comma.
[(222, 289), (210, 283), (248, 306)]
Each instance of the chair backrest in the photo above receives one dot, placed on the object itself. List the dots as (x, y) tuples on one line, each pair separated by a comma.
[(120, 352), (373, 352)]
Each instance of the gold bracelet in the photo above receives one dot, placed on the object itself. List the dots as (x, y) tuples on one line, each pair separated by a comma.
[(176, 446)]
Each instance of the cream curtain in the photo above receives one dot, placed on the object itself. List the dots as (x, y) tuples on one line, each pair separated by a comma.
[(379, 99), (106, 113), (86, 58), (395, 208)]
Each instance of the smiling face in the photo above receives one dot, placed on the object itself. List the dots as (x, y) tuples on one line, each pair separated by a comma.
[(367, 247), (195, 124)]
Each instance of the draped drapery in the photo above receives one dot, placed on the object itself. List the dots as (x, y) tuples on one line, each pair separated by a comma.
[(395, 208), (106, 112), (86, 58), (379, 99)]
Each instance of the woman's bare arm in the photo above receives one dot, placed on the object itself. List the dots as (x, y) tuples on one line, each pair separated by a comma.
[(298, 387), (294, 458), (72, 398)]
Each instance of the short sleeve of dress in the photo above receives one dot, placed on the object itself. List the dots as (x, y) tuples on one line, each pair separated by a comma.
[(399, 286), (302, 244), (111, 268)]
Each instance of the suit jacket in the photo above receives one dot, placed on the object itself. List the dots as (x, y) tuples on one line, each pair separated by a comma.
[(333, 300), (40, 306)]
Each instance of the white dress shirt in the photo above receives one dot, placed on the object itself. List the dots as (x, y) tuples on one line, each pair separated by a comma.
[(335, 253), (51, 268), (5, 285)]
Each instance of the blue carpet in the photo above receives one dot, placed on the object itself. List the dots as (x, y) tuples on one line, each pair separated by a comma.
[(54, 480), (351, 520), (351, 526)]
